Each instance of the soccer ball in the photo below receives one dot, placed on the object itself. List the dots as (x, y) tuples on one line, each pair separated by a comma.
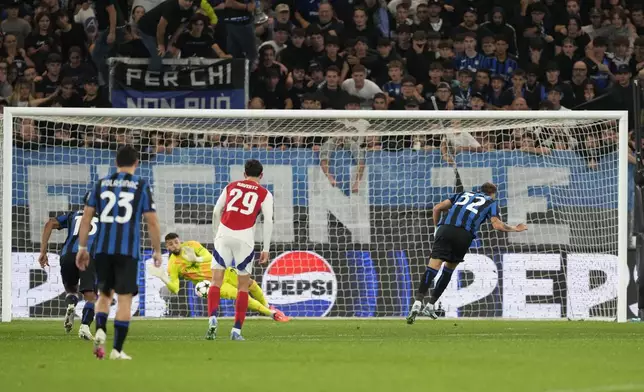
[(201, 289)]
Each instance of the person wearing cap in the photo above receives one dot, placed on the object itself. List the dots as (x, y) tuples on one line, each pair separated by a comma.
[(552, 81), (281, 33), (111, 31), (92, 99), (359, 86), (50, 82), (554, 96), (471, 59), (282, 16), (435, 22), (167, 19), (469, 24), (332, 90), (595, 28), (317, 77), (296, 52), (362, 28), (500, 28), (622, 92), (332, 56), (477, 101), (195, 42), (15, 25), (443, 99)]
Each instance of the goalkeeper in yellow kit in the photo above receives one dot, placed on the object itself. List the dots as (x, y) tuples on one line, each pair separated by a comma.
[(191, 261)]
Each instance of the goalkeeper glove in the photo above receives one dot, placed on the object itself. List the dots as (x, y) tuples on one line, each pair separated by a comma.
[(159, 273), (188, 254)]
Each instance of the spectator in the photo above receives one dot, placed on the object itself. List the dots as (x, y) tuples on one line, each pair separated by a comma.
[(272, 93), (71, 35), (579, 81), (502, 63), (403, 40), (599, 64), (622, 92), (566, 58), (50, 83), (280, 37), (238, 17), (481, 83), (69, 97), (76, 69), (621, 55), (401, 18), (573, 32), (552, 81), (42, 41), (394, 85), (637, 59), (22, 96), (137, 14), (111, 29), (92, 99), (333, 93), (419, 58), (590, 92), (463, 91), (197, 43), (470, 59), (362, 28), (27, 135), (619, 27), (86, 17), (637, 18), (477, 101), (16, 57), (554, 96), (299, 87), (435, 22), (495, 98), (5, 87), (344, 143), (380, 102), (595, 28), (379, 67), (15, 25), (332, 57), (327, 23), (360, 87), (296, 52), (169, 19), (502, 30)]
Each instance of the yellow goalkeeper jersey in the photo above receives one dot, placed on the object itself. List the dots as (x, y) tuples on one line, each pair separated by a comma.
[(180, 268)]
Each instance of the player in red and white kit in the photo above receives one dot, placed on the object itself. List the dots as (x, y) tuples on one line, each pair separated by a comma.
[(233, 222)]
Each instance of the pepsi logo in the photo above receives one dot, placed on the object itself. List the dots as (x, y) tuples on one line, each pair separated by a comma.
[(301, 284)]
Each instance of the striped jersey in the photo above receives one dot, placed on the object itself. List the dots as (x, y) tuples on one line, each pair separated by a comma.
[(479, 61), (469, 210), (71, 222), (120, 201)]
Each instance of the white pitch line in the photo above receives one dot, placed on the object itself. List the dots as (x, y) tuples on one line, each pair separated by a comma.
[(606, 388)]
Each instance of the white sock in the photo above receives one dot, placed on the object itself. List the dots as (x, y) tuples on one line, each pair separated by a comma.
[(236, 330), (212, 320)]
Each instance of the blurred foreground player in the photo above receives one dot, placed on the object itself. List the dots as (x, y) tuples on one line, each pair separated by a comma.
[(233, 223), (191, 261), (119, 200), (466, 211), (74, 280)]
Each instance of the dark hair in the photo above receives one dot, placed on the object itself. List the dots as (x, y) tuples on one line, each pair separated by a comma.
[(171, 236), (126, 156), (358, 68), (253, 168), (333, 68), (488, 188)]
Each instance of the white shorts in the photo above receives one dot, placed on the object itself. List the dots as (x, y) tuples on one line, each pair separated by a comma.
[(228, 249)]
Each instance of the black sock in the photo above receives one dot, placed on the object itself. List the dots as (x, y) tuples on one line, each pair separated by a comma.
[(425, 282), (71, 299), (441, 285), (101, 321), (120, 333), (88, 314)]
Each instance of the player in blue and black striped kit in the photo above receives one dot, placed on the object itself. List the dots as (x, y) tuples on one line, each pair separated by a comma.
[(74, 280), (466, 211), (120, 201)]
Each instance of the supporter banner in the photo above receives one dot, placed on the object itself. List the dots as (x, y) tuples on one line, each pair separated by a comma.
[(559, 199), (221, 84), (372, 283)]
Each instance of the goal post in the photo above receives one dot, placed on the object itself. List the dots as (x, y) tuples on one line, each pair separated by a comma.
[(353, 225)]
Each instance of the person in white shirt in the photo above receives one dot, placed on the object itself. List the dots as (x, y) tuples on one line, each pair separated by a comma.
[(361, 87), (554, 96)]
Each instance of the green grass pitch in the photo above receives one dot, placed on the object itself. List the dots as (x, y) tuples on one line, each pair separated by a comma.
[(332, 355)]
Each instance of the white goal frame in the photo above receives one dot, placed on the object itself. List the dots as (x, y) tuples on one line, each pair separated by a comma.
[(527, 116)]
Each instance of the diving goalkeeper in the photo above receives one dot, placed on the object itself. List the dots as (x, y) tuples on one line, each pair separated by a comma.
[(191, 261)]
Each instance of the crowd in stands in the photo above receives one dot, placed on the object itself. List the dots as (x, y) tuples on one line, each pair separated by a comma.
[(339, 54)]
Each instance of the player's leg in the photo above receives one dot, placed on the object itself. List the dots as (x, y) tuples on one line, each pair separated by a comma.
[(258, 303), (125, 287), (246, 254), (69, 274), (221, 258), (105, 279), (88, 288)]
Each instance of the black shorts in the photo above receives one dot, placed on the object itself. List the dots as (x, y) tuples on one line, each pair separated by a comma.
[(71, 275), (118, 273), (451, 243)]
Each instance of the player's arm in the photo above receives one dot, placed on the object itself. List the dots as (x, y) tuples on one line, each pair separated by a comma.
[(499, 225), (216, 212), (438, 209), (154, 229), (172, 279), (51, 225), (203, 255), (85, 226), (267, 211)]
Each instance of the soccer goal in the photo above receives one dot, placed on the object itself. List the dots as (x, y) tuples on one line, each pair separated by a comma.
[(354, 192)]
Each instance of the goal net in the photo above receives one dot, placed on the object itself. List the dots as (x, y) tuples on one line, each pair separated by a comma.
[(353, 192)]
